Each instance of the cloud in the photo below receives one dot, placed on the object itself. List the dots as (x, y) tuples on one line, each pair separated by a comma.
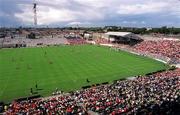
[(74, 23), (49, 12), (78, 24), (147, 7), (46, 15), (129, 22), (92, 12)]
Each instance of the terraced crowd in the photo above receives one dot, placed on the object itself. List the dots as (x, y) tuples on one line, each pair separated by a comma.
[(153, 94)]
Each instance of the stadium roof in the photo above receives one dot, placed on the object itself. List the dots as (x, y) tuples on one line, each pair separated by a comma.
[(118, 33)]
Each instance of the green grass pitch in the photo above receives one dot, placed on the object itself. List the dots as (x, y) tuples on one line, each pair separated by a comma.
[(66, 68)]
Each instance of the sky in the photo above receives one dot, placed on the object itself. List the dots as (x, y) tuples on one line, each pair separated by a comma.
[(62, 13)]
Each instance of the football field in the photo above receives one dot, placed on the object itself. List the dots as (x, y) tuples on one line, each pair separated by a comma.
[(66, 68)]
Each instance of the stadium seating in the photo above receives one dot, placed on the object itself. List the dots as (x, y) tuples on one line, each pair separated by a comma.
[(76, 41), (153, 94), (168, 48), (102, 41)]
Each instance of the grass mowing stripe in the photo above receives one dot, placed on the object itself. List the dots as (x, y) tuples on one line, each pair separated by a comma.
[(70, 67)]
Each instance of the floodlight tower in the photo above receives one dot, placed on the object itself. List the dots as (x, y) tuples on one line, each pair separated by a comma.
[(35, 12)]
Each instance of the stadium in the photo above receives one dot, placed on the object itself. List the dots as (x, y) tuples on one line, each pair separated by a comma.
[(109, 70), (69, 70)]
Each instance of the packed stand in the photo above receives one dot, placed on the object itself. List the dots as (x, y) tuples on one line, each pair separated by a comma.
[(35, 42), (76, 41), (168, 48), (102, 41), (153, 94)]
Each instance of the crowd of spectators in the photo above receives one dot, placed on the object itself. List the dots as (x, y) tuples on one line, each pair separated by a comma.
[(76, 41), (48, 40), (164, 48), (168, 48), (174, 73), (153, 94), (101, 41)]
